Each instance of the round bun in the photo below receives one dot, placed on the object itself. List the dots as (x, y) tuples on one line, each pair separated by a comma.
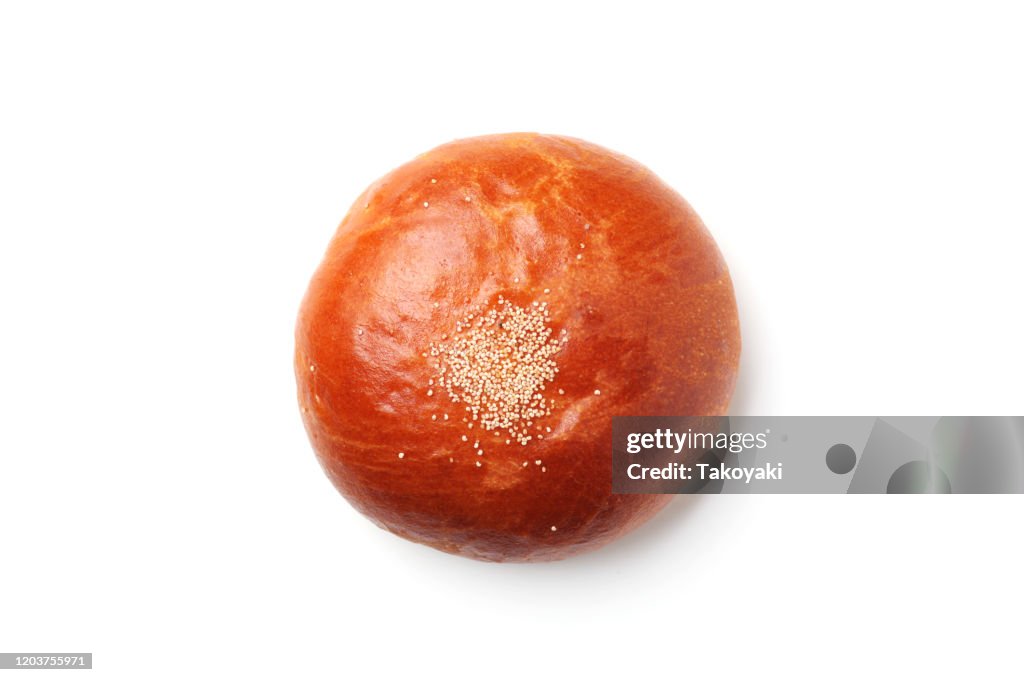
[(480, 316)]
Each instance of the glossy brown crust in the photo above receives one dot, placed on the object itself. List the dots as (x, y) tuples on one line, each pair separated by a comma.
[(649, 312)]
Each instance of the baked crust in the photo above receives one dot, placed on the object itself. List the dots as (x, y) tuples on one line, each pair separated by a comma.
[(646, 305)]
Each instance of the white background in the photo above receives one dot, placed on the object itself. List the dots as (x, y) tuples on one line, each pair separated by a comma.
[(170, 176)]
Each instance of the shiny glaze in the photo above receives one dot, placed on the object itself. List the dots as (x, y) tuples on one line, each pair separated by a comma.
[(649, 312)]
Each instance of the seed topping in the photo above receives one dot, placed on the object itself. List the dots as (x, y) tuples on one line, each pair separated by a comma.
[(498, 364)]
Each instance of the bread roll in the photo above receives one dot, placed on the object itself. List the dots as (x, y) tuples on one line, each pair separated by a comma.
[(480, 316)]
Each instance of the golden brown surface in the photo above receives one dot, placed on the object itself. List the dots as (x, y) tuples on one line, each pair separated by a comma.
[(649, 320)]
